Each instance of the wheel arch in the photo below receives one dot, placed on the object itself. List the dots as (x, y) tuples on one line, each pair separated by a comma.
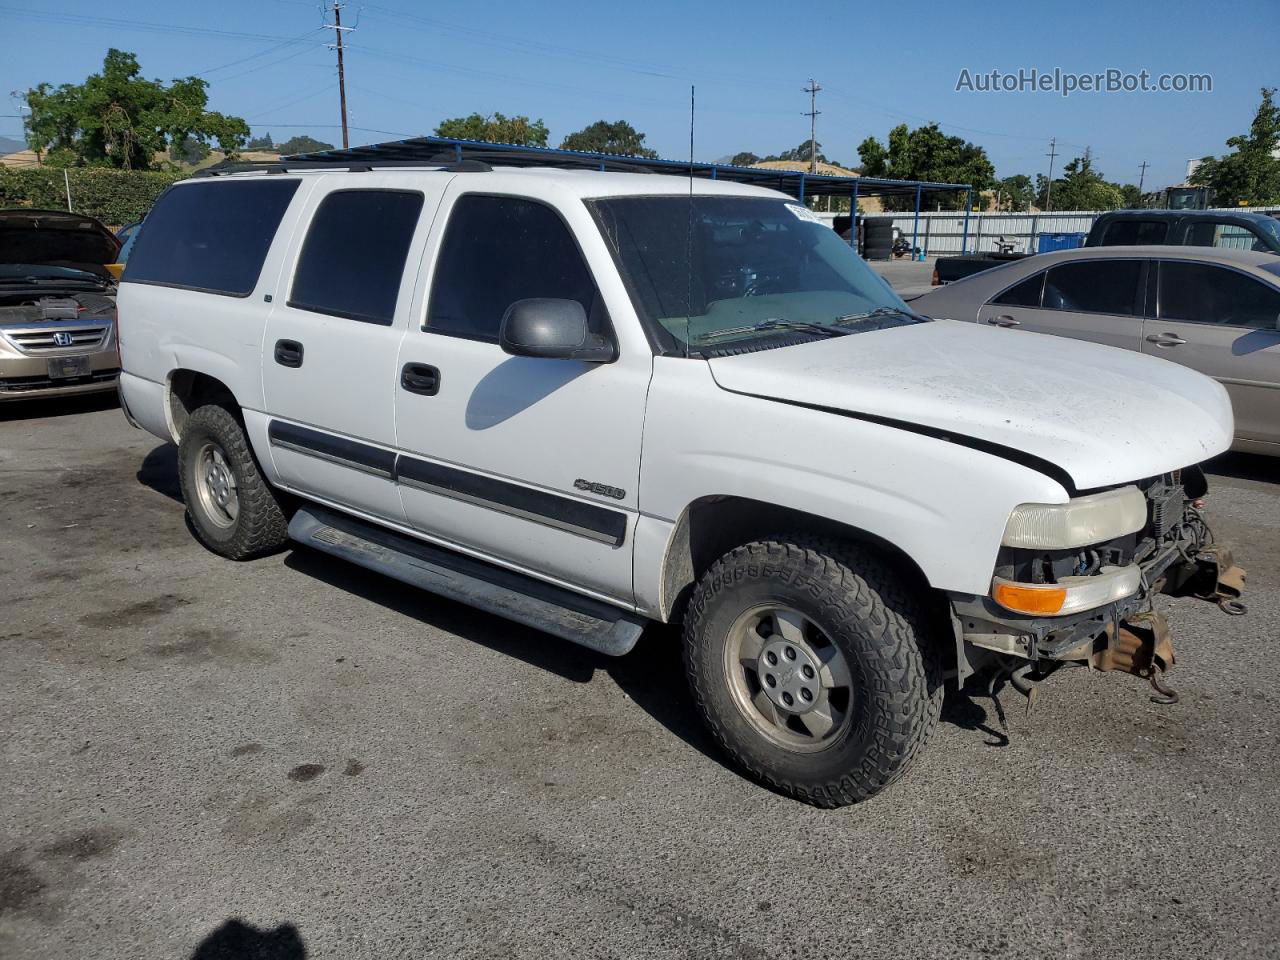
[(186, 390), (711, 526)]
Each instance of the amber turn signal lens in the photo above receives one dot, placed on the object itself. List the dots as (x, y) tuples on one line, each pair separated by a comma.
[(1042, 601)]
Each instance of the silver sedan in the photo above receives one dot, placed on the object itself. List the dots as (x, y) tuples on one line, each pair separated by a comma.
[(1214, 310)]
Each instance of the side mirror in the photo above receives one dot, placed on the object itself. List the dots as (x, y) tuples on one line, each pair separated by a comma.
[(552, 329)]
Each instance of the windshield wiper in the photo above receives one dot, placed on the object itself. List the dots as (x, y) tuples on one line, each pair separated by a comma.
[(56, 281), (775, 323), (882, 312)]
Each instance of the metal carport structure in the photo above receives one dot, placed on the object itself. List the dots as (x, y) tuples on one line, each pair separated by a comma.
[(801, 185)]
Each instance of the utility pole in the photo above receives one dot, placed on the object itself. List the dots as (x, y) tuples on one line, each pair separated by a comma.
[(339, 30), (1142, 177), (1048, 192), (812, 90)]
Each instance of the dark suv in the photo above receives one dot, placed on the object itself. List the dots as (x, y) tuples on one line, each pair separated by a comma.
[(1191, 228)]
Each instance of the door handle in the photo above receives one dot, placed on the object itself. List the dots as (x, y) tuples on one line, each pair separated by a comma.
[(1004, 320), (289, 353), (420, 378), (1165, 339)]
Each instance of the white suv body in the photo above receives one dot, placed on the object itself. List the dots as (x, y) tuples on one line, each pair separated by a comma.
[(622, 478)]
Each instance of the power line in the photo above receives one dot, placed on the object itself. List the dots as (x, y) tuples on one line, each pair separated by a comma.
[(812, 89)]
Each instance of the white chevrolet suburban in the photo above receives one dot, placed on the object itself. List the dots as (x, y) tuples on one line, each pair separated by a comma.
[(588, 401)]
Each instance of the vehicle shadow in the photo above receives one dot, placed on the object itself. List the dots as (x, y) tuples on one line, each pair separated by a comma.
[(159, 471), (652, 674), (1245, 466), (39, 409), (237, 940)]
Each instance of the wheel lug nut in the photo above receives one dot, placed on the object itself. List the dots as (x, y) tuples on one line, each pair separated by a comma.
[(807, 672), (788, 699), (806, 694), (790, 652), (770, 679), (771, 658)]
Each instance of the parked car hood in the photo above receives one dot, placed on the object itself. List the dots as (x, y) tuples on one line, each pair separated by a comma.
[(57, 239), (1102, 415)]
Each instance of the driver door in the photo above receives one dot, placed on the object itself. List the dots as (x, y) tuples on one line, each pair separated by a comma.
[(529, 462)]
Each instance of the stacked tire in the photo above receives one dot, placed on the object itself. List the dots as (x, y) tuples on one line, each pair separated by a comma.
[(877, 238)]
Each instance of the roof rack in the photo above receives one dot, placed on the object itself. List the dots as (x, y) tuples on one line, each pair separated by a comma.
[(419, 151), (470, 156)]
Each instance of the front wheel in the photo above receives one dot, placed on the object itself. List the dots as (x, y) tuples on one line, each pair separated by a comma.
[(813, 665), (232, 508)]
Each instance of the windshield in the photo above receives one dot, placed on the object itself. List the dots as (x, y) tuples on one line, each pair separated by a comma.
[(704, 270)]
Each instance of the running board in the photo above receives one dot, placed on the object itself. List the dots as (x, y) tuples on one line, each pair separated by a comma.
[(582, 620)]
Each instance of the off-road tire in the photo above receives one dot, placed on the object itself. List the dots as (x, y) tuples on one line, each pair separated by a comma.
[(261, 526), (872, 611)]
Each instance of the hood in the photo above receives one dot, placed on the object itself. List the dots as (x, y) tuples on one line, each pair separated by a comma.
[(57, 239), (1102, 415)]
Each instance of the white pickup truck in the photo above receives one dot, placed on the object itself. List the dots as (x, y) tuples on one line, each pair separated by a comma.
[(588, 401)]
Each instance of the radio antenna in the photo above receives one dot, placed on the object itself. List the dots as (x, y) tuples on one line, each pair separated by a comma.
[(688, 304)]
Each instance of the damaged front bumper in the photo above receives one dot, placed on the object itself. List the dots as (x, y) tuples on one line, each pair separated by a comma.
[(1126, 635)]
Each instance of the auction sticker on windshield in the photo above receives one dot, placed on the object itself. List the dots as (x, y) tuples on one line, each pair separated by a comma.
[(803, 213)]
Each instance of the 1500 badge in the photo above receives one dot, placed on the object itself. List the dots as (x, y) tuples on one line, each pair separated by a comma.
[(603, 489)]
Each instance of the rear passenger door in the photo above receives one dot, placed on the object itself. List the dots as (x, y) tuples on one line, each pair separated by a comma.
[(1222, 322), (529, 462), (1091, 299), (329, 355)]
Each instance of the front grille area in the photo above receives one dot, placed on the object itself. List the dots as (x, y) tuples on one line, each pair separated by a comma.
[(26, 384), (36, 341)]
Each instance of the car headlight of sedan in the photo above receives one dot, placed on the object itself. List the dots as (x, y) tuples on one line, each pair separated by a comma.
[(1078, 522)]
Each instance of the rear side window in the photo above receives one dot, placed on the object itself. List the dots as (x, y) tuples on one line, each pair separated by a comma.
[(210, 236), (1094, 286), (498, 250), (1201, 293), (1024, 294), (1233, 236), (354, 254), (1129, 233)]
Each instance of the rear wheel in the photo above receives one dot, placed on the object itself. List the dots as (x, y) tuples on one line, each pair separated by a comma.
[(812, 664), (232, 508)]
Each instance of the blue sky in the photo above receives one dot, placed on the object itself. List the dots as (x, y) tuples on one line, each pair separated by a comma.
[(410, 64)]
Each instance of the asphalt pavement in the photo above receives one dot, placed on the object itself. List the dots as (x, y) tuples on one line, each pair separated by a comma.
[(292, 758)]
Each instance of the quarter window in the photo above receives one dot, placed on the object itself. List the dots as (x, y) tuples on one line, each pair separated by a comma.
[(212, 237), (1094, 286), (1024, 294), (498, 250), (1130, 233), (354, 255), (1202, 293)]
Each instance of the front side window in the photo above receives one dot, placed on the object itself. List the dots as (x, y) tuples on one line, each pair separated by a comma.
[(212, 237), (1203, 293), (706, 271), (1024, 294), (498, 250), (1233, 236), (354, 254), (1129, 233), (1094, 286)]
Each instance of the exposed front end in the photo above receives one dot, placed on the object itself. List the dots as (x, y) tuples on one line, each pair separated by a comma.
[(58, 345), (1074, 582)]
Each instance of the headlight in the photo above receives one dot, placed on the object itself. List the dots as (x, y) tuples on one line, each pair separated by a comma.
[(1078, 522)]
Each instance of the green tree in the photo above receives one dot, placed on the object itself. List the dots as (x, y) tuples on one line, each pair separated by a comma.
[(1130, 196), (926, 153), (263, 142), (117, 118), (1251, 173), (801, 154), (604, 137), (1081, 187), (495, 128), (1016, 192), (744, 159), (302, 144)]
